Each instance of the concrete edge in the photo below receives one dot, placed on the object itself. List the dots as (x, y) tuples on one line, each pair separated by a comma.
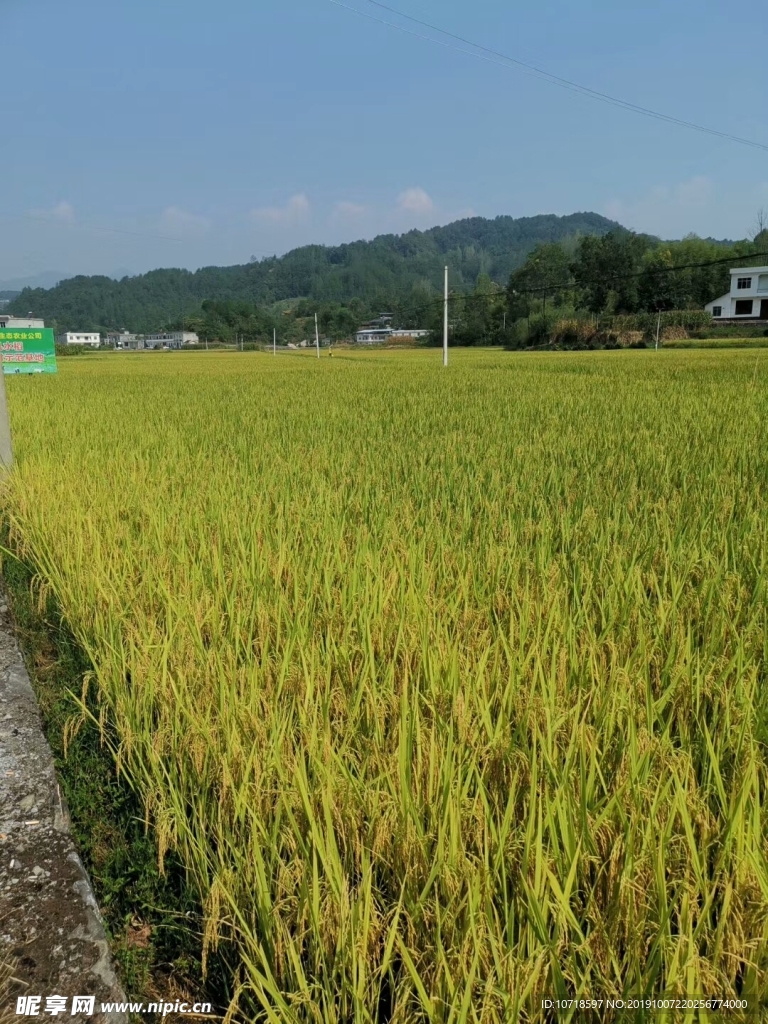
[(50, 925)]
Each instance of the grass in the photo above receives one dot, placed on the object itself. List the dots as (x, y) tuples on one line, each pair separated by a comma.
[(153, 921), (7, 967), (717, 342), (447, 689)]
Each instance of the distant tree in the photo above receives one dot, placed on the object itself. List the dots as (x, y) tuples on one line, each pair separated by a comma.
[(478, 317), (659, 288), (545, 275), (706, 270), (338, 321), (379, 274), (606, 271), (760, 232)]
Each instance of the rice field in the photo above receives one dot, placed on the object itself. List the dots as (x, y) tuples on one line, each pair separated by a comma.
[(447, 687)]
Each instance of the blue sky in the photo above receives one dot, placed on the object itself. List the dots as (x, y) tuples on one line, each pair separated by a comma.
[(146, 133)]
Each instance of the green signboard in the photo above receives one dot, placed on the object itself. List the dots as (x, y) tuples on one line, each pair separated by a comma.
[(28, 351)]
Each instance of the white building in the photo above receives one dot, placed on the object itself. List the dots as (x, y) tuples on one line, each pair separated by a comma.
[(372, 335), (23, 323), (171, 339), (747, 298), (125, 340), (407, 332), (80, 338), (376, 335)]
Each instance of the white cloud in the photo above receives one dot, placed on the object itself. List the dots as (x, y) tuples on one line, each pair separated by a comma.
[(415, 200), (695, 191), (62, 212), (349, 211), (296, 209), (180, 221), (668, 210)]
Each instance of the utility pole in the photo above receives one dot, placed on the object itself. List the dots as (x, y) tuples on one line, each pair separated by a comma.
[(445, 321), (317, 338), (658, 330), (274, 341), (6, 448)]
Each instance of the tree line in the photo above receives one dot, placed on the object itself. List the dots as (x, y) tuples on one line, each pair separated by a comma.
[(610, 272), (377, 274), (620, 274)]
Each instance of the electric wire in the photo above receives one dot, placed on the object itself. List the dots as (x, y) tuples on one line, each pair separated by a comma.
[(504, 60), (552, 287)]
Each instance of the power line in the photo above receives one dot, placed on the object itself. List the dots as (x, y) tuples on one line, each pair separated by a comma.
[(648, 270), (504, 60), (550, 287)]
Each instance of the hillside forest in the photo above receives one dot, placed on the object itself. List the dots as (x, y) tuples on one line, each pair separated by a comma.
[(511, 282)]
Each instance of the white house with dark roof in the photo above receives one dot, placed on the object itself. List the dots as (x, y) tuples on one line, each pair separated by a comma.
[(747, 299)]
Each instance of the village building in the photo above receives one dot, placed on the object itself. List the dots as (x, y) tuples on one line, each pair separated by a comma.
[(747, 298), (171, 339), (20, 323), (125, 341), (90, 338)]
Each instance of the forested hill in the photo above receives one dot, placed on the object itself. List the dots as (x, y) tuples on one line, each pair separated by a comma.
[(387, 269)]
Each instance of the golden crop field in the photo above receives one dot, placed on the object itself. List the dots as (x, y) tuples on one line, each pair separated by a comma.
[(448, 687)]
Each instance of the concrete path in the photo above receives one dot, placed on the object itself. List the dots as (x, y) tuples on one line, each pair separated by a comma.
[(49, 920)]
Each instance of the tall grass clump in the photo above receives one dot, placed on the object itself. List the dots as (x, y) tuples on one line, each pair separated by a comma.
[(447, 687)]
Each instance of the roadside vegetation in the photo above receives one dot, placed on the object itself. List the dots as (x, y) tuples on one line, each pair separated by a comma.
[(445, 689), (7, 967), (153, 920)]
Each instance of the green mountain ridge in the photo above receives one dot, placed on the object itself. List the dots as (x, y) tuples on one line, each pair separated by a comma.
[(382, 271)]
